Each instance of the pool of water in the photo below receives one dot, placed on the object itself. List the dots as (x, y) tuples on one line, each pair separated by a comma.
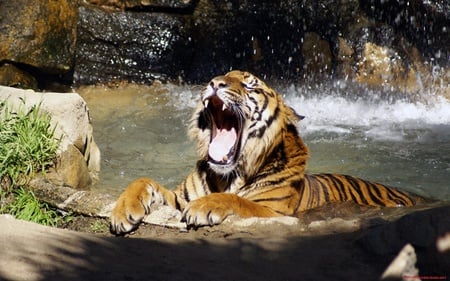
[(391, 138)]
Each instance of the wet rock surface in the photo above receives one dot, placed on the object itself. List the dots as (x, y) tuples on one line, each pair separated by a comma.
[(423, 23), (138, 47), (312, 39), (39, 35), (141, 41), (143, 4), (13, 76)]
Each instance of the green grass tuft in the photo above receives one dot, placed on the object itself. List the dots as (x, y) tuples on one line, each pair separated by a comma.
[(26, 206), (27, 143), (27, 146)]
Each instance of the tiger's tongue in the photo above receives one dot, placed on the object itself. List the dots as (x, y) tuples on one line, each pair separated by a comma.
[(221, 144)]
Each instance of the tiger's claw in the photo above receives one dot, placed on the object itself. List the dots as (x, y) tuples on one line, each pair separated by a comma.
[(133, 205), (205, 211)]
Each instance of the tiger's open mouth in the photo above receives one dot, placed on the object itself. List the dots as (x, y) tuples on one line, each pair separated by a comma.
[(226, 131)]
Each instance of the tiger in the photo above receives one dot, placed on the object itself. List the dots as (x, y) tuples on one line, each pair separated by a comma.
[(252, 164)]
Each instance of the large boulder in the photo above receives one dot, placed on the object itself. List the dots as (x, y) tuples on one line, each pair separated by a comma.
[(78, 159), (136, 47), (38, 35)]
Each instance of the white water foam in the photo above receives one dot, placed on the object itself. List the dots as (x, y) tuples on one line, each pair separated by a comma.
[(375, 118)]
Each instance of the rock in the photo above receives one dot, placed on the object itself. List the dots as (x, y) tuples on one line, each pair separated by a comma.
[(403, 266), (443, 243), (316, 38), (13, 76), (383, 66), (122, 4), (380, 66), (39, 33), (135, 47), (168, 217), (345, 59), (263, 37), (165, 216), (247, 222), (420, 229), (401, 46), (334, 225), (71, 169), (84, 202), (425, 24), (78, 155), (317, 55)]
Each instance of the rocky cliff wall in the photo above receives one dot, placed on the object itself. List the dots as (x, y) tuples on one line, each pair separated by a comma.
[(380, 43)]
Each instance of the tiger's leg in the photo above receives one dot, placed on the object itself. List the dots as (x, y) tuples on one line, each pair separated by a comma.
[(212, 209), (135, 202)]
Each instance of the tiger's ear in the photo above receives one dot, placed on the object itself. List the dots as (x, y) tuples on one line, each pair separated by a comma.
[(298, 116)]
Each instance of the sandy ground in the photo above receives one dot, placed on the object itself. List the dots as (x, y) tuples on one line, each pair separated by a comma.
[(30, 251), (33, 252)]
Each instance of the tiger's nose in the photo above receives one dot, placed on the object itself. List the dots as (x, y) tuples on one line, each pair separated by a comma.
[(218, 83)]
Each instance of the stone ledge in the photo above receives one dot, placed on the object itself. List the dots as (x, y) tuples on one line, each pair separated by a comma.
[(88, 203)]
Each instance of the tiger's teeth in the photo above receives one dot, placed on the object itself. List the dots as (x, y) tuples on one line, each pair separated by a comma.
[(224, 158), (224, 107), (206, 103)]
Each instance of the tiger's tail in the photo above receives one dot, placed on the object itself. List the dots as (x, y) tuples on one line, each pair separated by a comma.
[(320, 189)]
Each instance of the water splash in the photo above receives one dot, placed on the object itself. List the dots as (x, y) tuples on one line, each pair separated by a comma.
[(375, 115)]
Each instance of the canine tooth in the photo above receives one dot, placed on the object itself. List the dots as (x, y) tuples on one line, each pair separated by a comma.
[(206, 103), (225, 158), (224, 106)]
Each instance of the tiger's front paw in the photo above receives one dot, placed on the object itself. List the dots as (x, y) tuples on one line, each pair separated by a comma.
[(210, 210), (133, 204)]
